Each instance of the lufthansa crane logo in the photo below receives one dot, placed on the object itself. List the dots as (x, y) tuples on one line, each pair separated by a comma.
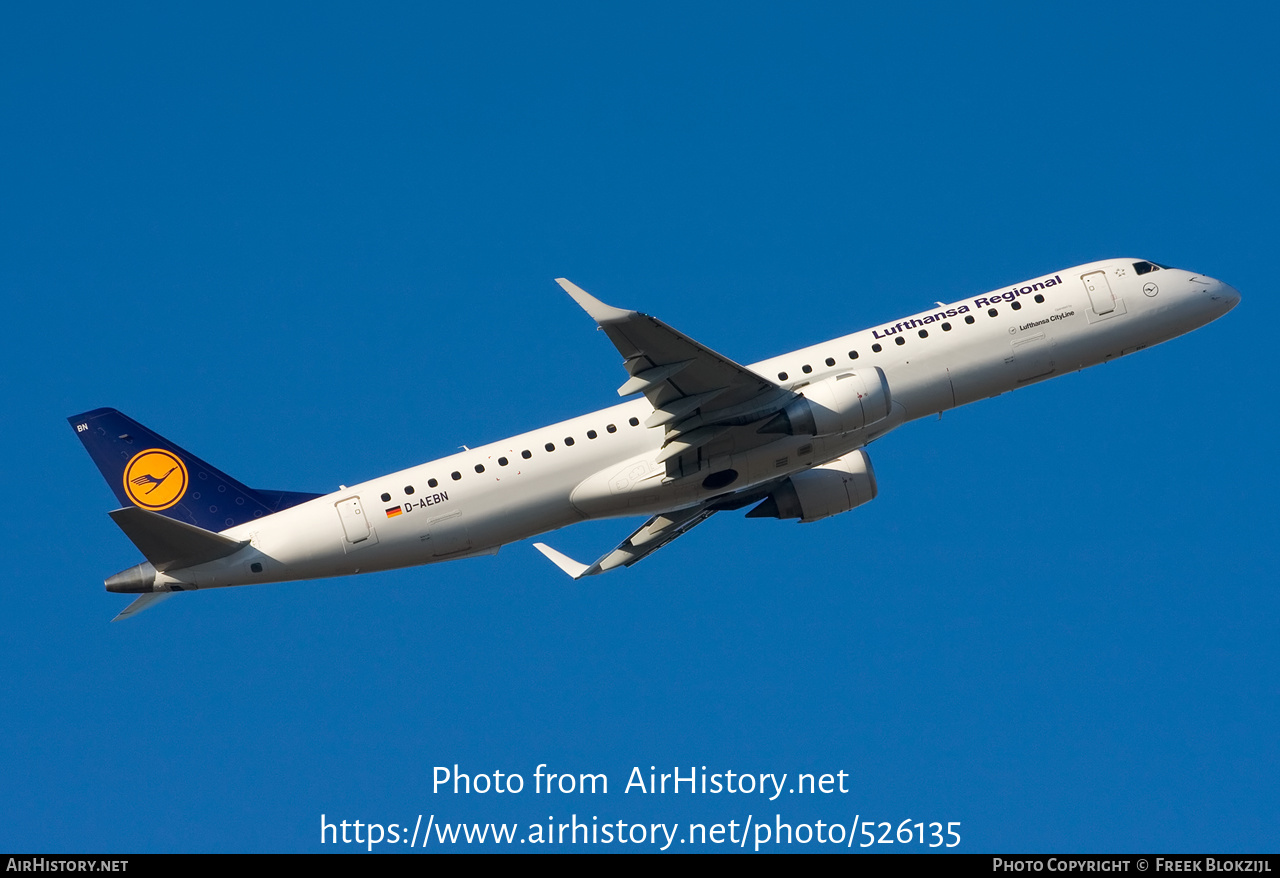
[(155, 479)]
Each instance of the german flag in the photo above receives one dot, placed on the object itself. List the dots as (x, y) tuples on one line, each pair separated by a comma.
[(394, 511)]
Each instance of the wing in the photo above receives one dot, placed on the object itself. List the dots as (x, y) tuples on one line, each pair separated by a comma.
[(708, 403), (655, 533), (649, 538)]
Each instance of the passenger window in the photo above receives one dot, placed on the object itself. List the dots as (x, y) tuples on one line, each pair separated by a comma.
[(1017, 306), (875, 348), (408, 489), (831, 361), (924, 333), (853, 355), (635, 422), (899, 340), (968, 318), (946, 327), (591, 434), (568, 440), (782, 376), (526, 454), (455, 475), (611, 428), (806, 368), (432, 483), (1039, 299), (502, 461), (479, 467), (386, 498), (550, 446), (992, 312)]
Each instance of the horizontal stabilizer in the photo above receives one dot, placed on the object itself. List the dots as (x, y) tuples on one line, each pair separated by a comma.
[(144, 602), (170, 544)]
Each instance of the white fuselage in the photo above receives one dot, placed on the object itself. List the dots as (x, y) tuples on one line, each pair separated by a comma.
[(605, 464)]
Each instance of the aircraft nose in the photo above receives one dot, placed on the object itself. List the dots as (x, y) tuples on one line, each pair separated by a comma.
[(1225, 295)]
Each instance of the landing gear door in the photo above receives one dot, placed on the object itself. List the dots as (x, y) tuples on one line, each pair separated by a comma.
[(1100, 297)]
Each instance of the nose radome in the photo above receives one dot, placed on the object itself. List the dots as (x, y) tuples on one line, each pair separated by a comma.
[(1222, 295), (1233, 296), (1226, 294)]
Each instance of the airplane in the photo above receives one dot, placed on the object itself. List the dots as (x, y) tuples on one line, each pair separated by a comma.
[(787, 436)]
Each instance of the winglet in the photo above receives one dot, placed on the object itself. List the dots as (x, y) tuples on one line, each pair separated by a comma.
[(564, 562), (599, 311)]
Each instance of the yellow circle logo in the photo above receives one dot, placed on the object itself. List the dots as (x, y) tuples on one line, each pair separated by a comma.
[(155, 479)]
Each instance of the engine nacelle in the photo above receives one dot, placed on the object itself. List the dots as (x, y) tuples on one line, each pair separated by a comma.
[(823, 491), (841, 404)]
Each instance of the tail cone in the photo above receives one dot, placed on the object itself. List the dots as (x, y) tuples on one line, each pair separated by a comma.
[(136, 580)]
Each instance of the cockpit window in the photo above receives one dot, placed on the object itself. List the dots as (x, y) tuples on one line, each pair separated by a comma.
[(1147, 267)]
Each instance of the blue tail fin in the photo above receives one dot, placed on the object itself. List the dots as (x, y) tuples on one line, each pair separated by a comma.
[(150, 472)]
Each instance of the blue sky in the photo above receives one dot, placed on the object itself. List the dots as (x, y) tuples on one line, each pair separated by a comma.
[(315, 243)]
